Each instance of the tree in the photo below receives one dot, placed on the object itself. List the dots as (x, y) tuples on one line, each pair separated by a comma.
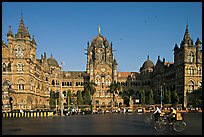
[(195, 98), (69, 96), (79, 98), (151, 97), (52, 99), (89, 91), (114, 88), (126, 97), (156, 97), (174, 98), (87, 97), (167, 96), (142, 96)]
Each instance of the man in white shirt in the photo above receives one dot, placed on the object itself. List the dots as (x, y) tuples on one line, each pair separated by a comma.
[(157, 113)]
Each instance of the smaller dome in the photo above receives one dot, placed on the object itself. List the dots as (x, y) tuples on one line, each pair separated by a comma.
[(52, 62), (148, 64)]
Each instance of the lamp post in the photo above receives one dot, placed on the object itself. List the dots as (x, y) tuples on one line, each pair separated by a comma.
[(55, 93), (61, 96), (161, 94)]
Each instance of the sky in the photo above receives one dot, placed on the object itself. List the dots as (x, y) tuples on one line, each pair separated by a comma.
[(136, 29)]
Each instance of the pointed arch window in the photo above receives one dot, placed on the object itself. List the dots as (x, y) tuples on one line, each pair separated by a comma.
[(190, 86), (191, 57), (9, 67), (191, 71)]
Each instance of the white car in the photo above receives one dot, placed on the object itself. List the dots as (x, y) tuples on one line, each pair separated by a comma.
[(139, 110)]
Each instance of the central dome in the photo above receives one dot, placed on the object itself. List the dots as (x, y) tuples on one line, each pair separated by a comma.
[(99, 40)]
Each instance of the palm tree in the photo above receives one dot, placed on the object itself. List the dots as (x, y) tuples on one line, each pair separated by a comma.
[(114, 88), (69, 96), (79, 98), (126, 95), (150, 97), (90, 87)]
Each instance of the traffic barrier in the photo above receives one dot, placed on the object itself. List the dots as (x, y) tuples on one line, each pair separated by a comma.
[(27, 114)]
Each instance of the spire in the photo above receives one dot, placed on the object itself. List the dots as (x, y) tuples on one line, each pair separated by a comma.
[(115, 62), (147, 57), (198, 41), (187, 38), (33, 40), (9, 32), (99, 30), (176, 47), (27, 34), (21, 29), (21, 13)]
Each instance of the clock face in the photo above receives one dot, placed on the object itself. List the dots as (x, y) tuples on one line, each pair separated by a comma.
[(19, 52), (103, 69)]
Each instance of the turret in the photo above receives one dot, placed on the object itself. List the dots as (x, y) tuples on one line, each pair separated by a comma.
[(198, 51), (10, 36), (33, 41)]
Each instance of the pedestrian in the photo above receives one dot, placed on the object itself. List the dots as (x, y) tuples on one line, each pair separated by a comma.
[(157, 113)]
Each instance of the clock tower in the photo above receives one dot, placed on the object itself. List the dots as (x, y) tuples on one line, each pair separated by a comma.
[(101, 65)]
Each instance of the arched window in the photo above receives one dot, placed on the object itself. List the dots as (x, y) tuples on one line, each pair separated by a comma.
[(190, 86), (53, 82), (191, 71), (9, 67), (191, 57), (4, 67), (199, 71), (64, 92), (21, 84)]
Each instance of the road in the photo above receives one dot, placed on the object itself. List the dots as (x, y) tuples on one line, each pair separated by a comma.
[(96, 124)]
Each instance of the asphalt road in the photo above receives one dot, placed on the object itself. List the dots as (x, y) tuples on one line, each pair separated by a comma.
[(96, 124)]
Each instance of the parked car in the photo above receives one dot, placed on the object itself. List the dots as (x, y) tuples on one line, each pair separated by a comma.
[(139, 110), (128, 110)]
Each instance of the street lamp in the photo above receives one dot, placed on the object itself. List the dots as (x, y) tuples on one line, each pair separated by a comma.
[(161, 94), (61, 95)]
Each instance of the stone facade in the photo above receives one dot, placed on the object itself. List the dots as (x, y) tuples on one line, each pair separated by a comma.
[(27, 81)]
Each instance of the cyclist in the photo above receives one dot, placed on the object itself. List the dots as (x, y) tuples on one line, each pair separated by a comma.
[(157, 113), (172, 115)]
